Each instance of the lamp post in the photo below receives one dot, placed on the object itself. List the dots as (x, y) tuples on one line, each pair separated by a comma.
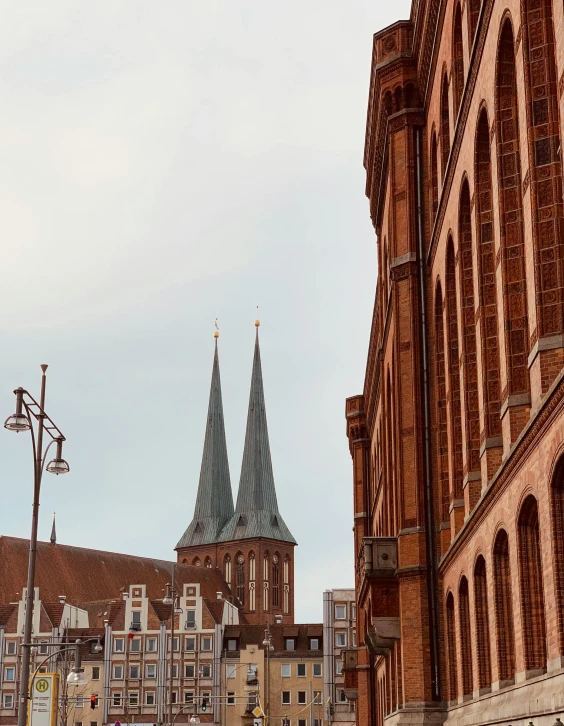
[(171, 598), (26, 408), (268, 647)]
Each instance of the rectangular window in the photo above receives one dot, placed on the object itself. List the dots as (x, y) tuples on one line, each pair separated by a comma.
[(230, 670), (135, 645), (302, 698), (150, 698), (136, 617), (317, 697), (338, 667), (301, 670), (93, 723), (341, 640), (134, 671), (116, 698), (174, 644), (95, 673), (190, 671), (302, 722), (9, 674), (118, 645), (286, 670), (174, 697), (174, 670), (43, 647), (150, 670), (11, 647), (341, 698), (232, 645), (353, 612), (317, 670), (314, 643), (133, 698), (286, 698), (340, 612), (118, 672), (206, 642), (290, 644), (318, 721), (190, 644), (188, 696), (190, 620), (78, 723), (230, 698), (206, 694), (79, 703), (151, 645), (205, 670), (354, 638), (8, 700)]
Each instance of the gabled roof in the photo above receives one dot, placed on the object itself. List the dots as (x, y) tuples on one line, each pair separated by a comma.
[(214, 502), (256, 513)]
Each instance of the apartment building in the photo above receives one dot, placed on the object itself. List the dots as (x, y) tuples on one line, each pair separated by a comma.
[(339, 633)]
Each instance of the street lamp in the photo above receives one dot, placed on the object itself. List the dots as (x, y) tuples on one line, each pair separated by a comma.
[(171, 598), (26, 409), (268, 647)]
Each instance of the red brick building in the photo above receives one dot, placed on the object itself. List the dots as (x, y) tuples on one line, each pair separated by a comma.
[(457, 440)]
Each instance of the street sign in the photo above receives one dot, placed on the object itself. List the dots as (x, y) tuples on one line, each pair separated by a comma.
[(43, 700), (257, 713), (257, 721)]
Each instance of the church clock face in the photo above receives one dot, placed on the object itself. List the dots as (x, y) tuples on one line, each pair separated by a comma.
[(240, 559), (275, 560)]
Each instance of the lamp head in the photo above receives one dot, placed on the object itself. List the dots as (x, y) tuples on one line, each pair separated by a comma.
[(58, 465)]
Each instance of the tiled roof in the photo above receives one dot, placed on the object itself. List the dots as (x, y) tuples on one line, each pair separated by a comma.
[(254, 635), (256, 513), (214, 502), (87, 575), (6, 612)]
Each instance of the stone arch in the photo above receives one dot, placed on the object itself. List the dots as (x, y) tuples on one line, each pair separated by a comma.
[(457, 59), (512, 242), (434, 176), (483, 648), (487, 277), (465, 636), (196, 562), (451, 648), (505, 632), (532, 590), (441, 410), (473, 10), (445, 126)]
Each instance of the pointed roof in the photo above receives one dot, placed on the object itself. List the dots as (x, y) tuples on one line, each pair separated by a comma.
[(256, 514), (53, 531), (214, 502)]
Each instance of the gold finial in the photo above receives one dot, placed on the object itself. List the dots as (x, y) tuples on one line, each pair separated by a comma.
[(216, 331), (257, 321)]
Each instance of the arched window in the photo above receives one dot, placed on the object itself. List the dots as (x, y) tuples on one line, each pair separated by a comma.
[(487, 277), (457, 59), (482, 624), (434, 178), (532, 591), (276, 581), (196, 562), (470, 366), (441, 415), (208, 563), (252, 578), (266, 581), (445, 128), (451, 646), (227, 569), (240, 578), (465, 637), (286, 584), (545, 166), (505, 634), (473, 9), (558, 543), (455, 457), (511, 218)]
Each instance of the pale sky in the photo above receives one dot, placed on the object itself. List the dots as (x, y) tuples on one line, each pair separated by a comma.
[(163, 164)]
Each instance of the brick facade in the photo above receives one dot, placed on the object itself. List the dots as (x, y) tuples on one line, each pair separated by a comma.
[(457, 440)]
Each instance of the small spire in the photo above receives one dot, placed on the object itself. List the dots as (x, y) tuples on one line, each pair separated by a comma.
[(257, 321), (54, 531), (216, 331)]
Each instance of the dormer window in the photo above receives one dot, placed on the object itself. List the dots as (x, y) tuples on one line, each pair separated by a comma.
[(232, 645), (290, 643)]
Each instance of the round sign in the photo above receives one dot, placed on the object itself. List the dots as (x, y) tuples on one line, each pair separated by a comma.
[(42, 685), (117, 723)]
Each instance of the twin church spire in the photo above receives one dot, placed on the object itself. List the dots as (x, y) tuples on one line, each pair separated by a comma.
[(256, 514)]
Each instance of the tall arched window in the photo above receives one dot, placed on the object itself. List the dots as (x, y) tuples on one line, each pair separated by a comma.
[(441, 422), (470, 364), (266, 582), (451, 647), (487, 276), (482, 624), (252, 578), (240, 578), (532, 591), (445, 128), (505, 634), (473, 10), (558, 543), (208, 563), (545, 168), (457, 59), (276, 581), (286, 584), (465, 637), (511, 217), (453, 358), (434, 177), (227, 569)]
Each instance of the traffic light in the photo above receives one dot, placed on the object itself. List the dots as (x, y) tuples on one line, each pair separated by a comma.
[(93, 702), (204, 704)]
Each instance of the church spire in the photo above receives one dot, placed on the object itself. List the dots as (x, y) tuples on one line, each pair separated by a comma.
[(214, 502), (256, 514), (53, 531)]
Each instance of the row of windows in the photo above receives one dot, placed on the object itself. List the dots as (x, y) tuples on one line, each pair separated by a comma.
[(204, 671), (289, 644), (136, 620), (341, 611), (301, 698), (301, 670), (132, 698), (271, 580), (190, 644)]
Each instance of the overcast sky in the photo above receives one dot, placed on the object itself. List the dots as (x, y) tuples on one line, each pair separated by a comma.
[(163, 164)]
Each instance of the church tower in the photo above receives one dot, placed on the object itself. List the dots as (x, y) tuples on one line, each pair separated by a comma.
[(251, 545)]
